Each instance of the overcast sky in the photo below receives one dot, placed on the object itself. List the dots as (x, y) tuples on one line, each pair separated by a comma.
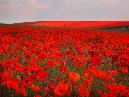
[(12, 11)]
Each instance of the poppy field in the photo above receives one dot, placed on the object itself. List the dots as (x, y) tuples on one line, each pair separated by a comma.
[(71, 63)]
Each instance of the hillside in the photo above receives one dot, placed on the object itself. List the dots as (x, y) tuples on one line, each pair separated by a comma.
[(78, 24)]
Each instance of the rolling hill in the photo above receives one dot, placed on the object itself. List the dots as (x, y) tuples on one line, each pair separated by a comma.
[(78, 24)]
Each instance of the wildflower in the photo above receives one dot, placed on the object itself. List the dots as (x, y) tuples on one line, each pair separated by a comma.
[(50, 63), (101, 74), (18, 67), (124, 70), (37, 96), (8, 63), (26, 82), (63, 68), (52, 86), (61, 89), (74, 76), (95, 60), (35, 88), (12, 84), (21, 90), (41, 75), (83, 91), (113, 72)]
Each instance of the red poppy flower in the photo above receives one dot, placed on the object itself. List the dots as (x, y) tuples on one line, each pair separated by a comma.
[(35, 88), (52, 86), (124, 60), (61, 89), (74, 76), (42, 55), (83, 91), (95, 60), (50, 63), (4, 48), (63, 68), (6, 75), (37, 96), (26, 69), (46, 90), (24, 93), (8, 63), (124, 70), (101, 74), (18, 67), (32, 62), (114, 88), (41, 75), (26, 82), (113, 72), (21, 90), (12, 84)]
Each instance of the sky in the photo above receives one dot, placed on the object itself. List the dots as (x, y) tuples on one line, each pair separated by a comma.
[(15, 11)]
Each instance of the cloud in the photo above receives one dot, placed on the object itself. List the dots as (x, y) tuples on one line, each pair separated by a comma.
[(34, 10), (37, 4), (96, 9), (33, 7), (18, 10)]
